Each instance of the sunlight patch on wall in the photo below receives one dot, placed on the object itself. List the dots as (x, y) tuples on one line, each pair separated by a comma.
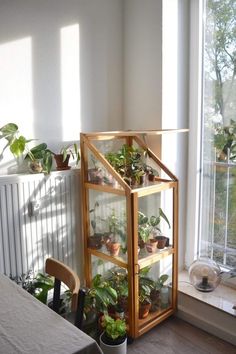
[(170, 80), (16, 102), (70, 82)]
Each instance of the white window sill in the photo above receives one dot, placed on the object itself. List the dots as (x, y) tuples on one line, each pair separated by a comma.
[(222, 298)]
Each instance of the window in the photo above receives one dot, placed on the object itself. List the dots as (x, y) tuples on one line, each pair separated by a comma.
[(217, 206)]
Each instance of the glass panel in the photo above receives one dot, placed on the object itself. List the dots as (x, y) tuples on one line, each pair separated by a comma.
[(98, 174), (231, 234), (155, 222), (218, 187), (132, 162), (155, 290), (105, 146), (108, 224), (117, 279)]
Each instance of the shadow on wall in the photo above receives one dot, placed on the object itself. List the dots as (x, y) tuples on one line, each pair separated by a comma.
[(40, 218), (61, 67)]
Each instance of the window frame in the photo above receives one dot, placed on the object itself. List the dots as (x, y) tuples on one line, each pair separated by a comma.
[(196, 96), (195, 130)]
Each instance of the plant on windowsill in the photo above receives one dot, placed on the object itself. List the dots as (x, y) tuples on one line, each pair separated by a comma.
[(40, 159), (17, 143), (41, 152)]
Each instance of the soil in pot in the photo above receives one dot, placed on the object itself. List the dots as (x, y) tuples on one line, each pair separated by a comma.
[(62, 165)]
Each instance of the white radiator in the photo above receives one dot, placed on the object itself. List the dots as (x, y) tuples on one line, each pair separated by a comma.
[(39, 218)]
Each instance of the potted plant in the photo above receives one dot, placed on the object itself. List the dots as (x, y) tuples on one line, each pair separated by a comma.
[(62, 158), (128, 162), (95, 240), (95, 174), (145, 286), (40, 159), (118, 280), (113, 241), (155, 292), (17, 143), (156, 231), (143, 229), (113, 340), (37, 285), (151, 173), (98, 297), (41, 152)]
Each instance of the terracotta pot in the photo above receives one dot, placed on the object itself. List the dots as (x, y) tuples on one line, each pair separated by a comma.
[(152, 245), (95, 176), (162, 241), (62, 165), (106, 240), (114, 248), (123, 302), (95, 242), (141, 244), (144, 309), (151, 177)]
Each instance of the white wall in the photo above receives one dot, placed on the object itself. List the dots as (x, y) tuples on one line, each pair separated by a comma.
[(175, 71), (133, 72), (31, 80), (143, 64), (156, 83)]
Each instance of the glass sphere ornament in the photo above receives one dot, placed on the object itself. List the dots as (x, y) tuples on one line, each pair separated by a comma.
[(204, 274)]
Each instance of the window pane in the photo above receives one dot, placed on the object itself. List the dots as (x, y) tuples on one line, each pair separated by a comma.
[(218, 185)]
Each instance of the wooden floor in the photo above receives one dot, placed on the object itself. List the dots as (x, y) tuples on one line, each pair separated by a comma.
[(175, 336)]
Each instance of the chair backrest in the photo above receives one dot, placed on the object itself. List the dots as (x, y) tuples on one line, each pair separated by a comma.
[(66, 275)]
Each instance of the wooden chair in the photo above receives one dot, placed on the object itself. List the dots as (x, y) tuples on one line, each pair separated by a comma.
[(66, 275)]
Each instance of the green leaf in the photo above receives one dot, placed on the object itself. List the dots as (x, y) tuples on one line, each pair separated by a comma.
[(163, 215), (8, 129), (18, 146), (47, 161), (154, 220)]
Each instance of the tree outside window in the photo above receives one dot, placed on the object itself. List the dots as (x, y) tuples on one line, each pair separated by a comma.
[(218, 185)]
